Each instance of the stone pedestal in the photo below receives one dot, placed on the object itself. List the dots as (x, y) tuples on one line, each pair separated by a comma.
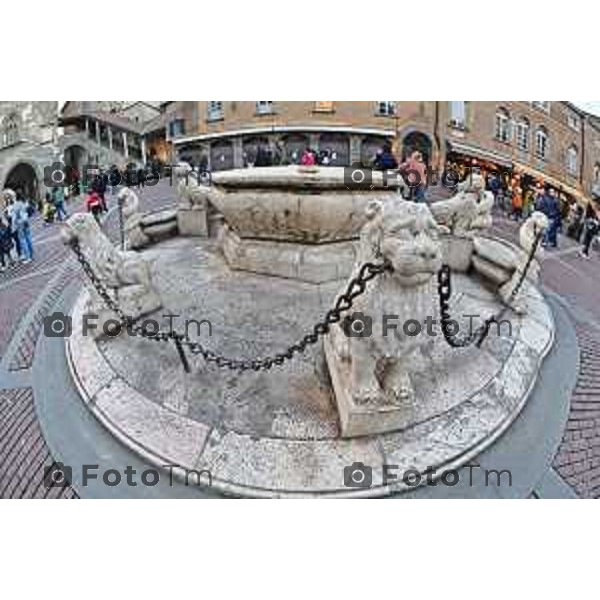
[(192, 221), (358, 420), (315, 263)]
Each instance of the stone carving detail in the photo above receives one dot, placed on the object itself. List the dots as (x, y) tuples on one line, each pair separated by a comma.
[(193, 202), (537, 223), (469, 211), (125, 273), (132, 219), (371, 375)]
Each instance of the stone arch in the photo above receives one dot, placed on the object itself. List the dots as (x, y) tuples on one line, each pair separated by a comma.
[(369, 147), (338, 143), (221, 155), (294, 145), (251, 146), (25, 176), (417, 140)]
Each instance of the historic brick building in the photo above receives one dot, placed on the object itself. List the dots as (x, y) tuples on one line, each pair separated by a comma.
[(549, 141), (28, 142)]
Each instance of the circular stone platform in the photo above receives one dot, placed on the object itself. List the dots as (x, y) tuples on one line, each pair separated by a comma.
[(276, 433)]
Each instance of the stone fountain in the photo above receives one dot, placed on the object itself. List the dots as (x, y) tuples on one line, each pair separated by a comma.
[(287, 241)]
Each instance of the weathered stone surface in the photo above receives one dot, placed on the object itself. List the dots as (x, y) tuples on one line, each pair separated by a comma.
[(371, 374), (314, 264), (277, 433), (125, 274), (132, 219), (468, 211)]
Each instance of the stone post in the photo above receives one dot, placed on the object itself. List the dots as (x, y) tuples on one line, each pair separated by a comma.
[(238, 153)]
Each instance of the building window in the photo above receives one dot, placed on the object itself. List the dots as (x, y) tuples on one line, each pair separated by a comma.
[(572, 160), (264, 107), (503, 132), (597, 174), (323, 106), (523, 134), (214, 110), (541, 143), (541, 104), (386, 108), (458, 114), (176, 128), (10, 130), (574, 122)]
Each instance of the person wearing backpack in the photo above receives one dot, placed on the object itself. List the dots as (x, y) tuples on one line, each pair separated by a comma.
[(591, 228)]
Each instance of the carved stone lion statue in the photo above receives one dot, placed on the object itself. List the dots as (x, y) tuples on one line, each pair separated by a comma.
[(192, 193), (532, 228), (126, 273), (468, 211), (194, 198), (132, 219), (373, 371)]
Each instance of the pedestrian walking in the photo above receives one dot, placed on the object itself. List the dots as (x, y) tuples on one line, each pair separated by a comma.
[(6, 244), (517, 204), (11, 215), (21, 222), (548, 204), (58, 200), (591, 228), (94, 204)]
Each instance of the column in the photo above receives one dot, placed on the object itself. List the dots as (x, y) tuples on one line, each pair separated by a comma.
[(125, 146), (355, 148), (87, 127), (97, 133), (238, 153), (313, 141), (110, 138), (143, 149)]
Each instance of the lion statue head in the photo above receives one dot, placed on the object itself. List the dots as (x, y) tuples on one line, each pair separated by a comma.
[(406, 235)]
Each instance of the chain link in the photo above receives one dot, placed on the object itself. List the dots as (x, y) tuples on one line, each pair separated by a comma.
[(356, 286), (120, 202), (477, 336)]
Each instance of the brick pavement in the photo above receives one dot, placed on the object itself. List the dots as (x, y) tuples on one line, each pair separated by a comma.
[(24, 455)]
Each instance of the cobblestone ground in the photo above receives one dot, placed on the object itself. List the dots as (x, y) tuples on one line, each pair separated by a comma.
[(28, 293)]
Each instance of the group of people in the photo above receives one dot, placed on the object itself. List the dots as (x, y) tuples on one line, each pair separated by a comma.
[(582, 224), (15, 230)]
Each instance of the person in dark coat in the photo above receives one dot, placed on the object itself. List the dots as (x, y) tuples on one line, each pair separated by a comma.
[(549, 205)]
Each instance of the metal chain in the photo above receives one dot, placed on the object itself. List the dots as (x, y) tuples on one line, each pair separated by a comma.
[(356, 286), (478, 335), (120, 202)]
